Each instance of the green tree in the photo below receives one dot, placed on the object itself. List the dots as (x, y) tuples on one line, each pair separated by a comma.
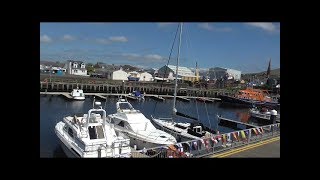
[(90, 68)]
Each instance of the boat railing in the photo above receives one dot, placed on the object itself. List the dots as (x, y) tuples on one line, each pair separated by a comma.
[(215, 144)]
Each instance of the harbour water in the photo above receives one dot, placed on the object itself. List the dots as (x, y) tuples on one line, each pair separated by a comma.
[(54, 108)]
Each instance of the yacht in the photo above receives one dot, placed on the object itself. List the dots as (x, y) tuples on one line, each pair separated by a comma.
[(77, 94), (140, 130), (183, 131), (90, 135)]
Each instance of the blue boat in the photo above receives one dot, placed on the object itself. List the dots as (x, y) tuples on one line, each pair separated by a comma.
[(130, 78)]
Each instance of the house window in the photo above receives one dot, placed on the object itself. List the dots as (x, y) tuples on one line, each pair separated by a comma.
[(75, 65), (76, 71), (83, 71)]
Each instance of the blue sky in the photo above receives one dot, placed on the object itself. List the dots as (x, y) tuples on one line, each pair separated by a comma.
[(242, 46)]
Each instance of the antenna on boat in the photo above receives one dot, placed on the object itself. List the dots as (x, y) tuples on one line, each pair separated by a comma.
[(105, 103), (174, 110), (94, 99)]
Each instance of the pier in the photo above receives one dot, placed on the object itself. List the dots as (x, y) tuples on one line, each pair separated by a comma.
[(104, 96), (233, 124), (116, 87)]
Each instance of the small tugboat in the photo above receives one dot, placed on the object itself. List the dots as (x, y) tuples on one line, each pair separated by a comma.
[(90, 135)]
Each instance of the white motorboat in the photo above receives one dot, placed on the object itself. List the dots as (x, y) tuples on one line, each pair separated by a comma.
[(262, 113), (90, 135), (182, 131), (140, 130), (77, 94)]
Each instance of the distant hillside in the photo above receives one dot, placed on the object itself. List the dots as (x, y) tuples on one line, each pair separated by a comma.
[(275, 73)]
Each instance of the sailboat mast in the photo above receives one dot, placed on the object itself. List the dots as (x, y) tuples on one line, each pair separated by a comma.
[(177, 67)]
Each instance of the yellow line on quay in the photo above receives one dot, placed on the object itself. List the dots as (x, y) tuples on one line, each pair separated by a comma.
[(251, 146)]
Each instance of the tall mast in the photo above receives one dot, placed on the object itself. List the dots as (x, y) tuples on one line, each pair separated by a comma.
[(176, 80)]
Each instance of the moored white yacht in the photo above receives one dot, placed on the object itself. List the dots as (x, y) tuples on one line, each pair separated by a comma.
[(77, 94), (183, 131), (141, 131), (90, 135)]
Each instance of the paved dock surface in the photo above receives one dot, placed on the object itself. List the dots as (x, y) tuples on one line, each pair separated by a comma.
[(265, 149)]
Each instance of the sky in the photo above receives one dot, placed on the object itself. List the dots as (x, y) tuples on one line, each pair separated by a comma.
[(245, 46)]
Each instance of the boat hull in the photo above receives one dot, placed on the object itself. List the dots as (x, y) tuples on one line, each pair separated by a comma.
[(139, 142), (79, 98), (247, 102), (180, 137), (67, 151)]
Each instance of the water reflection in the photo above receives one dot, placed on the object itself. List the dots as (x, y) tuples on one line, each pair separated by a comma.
[(58, 152)]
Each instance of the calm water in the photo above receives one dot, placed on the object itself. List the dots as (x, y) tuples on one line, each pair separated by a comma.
[(54, 108)]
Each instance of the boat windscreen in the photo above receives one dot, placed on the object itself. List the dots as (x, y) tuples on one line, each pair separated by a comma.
[(125, 106)]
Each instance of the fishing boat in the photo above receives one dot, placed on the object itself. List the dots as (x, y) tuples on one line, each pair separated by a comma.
[(182, 131), (90, 135), (77, 94), (138, 128), (249, 97)]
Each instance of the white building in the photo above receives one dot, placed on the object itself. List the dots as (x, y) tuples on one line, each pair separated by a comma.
[(145, 76), (183, 72), (225, 73), (76, 68), (119, 75), (235, 74)]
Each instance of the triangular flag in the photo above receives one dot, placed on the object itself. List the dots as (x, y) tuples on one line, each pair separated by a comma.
[(247, 132), (235, 136), (229, 137), (243, 135), (258, 129), (224, 139), (202, 141)]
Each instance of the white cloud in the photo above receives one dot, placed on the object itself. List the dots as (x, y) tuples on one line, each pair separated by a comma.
[(131, 55), (161, 25), (210, 27), (270, 27), (45, 39), (153, 57), (118, 39), (68, 37), (103, 41), (205, 26)]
